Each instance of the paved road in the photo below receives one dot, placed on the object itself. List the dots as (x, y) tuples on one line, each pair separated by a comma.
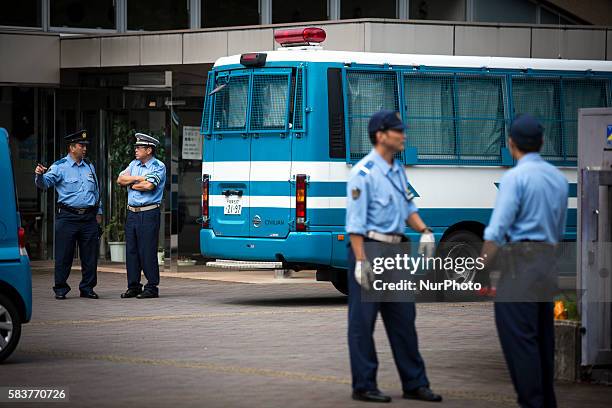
[(223, 344)]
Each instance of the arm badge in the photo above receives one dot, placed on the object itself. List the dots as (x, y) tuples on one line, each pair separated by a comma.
[(355, 193)]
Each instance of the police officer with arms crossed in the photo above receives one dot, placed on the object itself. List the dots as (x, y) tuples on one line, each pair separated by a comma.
[(145, 178), (79, 212), (531, 207), (379, 206)]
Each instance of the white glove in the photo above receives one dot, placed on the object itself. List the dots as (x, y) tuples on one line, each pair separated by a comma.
[(364, 274), (427, 244)]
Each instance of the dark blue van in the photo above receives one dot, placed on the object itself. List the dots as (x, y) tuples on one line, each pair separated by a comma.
[(15, 273)]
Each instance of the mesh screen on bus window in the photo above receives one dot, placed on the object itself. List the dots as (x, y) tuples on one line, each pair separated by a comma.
[(541, 97), (231, 104), (577, 94), (298, 113), (269, 110), (455, 117), (368, 92)]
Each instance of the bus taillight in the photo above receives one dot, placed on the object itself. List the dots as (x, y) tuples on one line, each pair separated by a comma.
[(300, 202), (205, 199)]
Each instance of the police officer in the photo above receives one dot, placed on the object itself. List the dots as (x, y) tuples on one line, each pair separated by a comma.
[(531, 207), (379, 206), (78, 214), (145, 178)]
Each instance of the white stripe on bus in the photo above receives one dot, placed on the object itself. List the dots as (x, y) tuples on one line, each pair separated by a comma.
[(437, 186), (339, 203)]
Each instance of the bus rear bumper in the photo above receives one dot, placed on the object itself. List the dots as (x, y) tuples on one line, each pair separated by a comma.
[(297, 247)]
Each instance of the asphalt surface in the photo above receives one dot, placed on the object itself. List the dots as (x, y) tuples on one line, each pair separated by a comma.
[(225, 344)]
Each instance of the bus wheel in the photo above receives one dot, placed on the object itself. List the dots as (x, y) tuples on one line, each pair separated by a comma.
[(460, 244), (10, 327), (340, 282)]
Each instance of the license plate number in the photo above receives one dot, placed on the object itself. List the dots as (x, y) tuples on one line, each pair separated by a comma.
[(233, 205)]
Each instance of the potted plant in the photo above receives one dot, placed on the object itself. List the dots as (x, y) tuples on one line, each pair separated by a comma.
[(115, 233), (160, 256), (120, 152)]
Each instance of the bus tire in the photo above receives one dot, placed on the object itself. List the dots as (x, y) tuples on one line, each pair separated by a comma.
[(340, 282), (10, 327), (461, 243)]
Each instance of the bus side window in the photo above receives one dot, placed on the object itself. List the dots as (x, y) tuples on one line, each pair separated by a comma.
[(335, 107)]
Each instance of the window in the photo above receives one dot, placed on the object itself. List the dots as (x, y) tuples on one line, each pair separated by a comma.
[(296, 11), (577, 94), (270, 94), (205, 125), (552, 17), (229, 13), (98, 14), (231, 103), (368, 92), (430, 115), (505, 11), (23, 13), (480, 117), (449, 10), (367, 8), (298, 112), (455, 116), (541, 97), (153, 15)]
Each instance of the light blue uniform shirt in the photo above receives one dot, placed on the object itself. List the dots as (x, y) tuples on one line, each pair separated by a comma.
[(373, 203), (531, 203), (154, 171), (74, 182)]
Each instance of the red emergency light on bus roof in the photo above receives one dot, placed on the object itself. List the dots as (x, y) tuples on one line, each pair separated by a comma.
[(299, 36)]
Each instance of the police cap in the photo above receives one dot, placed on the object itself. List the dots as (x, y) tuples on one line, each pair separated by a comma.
[(526, 131), (384, 120), (77, 137), (145, 140)]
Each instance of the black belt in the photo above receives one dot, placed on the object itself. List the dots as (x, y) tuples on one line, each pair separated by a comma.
[(78, 211)]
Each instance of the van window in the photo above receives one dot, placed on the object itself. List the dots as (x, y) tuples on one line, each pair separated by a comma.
[(298, 113), (577, 94), (368, 92), (456, 117), (430, 115), (231, 103), (541, 97), (270, 93)]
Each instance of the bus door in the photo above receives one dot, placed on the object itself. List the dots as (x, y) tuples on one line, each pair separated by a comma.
[(270, 201), (229, 188)]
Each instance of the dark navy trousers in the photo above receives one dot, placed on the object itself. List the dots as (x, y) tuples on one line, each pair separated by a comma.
[(398, 318), (71, 229), (141, 239), (527, 335)]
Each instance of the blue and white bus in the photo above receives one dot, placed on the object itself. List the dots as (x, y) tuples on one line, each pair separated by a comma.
[(282, 129)]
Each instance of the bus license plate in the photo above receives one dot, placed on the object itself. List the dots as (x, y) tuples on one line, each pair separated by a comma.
[(233, 205)]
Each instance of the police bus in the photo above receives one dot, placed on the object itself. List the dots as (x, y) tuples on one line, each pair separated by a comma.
[(282, 129)]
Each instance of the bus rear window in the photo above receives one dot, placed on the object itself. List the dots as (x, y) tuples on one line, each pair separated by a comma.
[(269, 111), (231, 103)]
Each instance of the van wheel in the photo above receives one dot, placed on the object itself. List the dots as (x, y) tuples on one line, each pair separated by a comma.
[(10, 327), (340, 282), (459, 244)]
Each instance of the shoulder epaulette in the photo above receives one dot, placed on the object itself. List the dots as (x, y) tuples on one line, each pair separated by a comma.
[(60, 161), (365, 169)]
